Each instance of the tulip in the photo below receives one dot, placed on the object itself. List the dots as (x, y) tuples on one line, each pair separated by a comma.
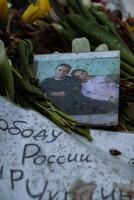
[(86, 3), (6, 77), (36, 10), (130, 30), (31, 13), (102, 47), (3, 9), (57, 26), (44, 6)]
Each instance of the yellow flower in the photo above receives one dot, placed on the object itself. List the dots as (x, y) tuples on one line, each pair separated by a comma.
[(35, 11), (31, 13), (3, 9), (44, 6)]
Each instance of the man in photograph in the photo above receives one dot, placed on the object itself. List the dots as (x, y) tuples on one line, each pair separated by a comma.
[(62, 88)]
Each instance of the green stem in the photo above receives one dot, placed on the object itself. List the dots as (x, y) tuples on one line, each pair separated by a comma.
[(127, 68)]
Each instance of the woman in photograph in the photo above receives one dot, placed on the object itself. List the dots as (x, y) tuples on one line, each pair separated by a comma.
[(100, 93), (96, 87)]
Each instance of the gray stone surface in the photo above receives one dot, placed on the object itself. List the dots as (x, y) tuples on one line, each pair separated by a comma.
[(40, 161)]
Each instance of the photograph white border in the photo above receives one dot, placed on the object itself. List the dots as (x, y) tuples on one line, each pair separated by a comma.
[(108, 119)]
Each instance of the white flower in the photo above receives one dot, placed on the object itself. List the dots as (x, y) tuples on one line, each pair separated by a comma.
[(86, 3)]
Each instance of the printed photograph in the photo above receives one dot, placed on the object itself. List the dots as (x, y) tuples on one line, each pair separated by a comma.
[(83, 85)]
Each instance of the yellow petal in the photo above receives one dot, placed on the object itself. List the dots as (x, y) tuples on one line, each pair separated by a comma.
[(31, 13), (44, 6), (3, 9)]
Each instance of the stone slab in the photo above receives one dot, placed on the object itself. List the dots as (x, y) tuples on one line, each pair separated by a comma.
[(40, 161)]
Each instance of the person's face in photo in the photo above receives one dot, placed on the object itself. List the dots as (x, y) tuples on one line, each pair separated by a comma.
[(61, 72), (82, 75)]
